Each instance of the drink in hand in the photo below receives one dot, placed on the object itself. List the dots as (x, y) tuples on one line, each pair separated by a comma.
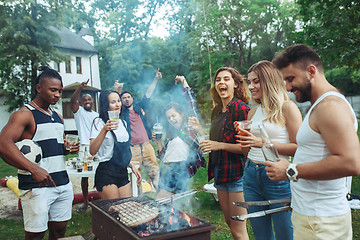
[(204, 138), (268, 147), (242, 125), (71, 140), (158, 129), (113, 115)]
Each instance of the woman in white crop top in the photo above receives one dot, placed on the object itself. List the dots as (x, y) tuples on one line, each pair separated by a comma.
[(282, 119), (110, 138)]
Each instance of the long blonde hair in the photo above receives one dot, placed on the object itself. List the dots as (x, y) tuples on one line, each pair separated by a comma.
[(274, 93), (240, 92)]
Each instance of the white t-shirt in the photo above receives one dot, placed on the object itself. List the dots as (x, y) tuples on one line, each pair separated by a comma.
[(276, 133), (177, 151), (84, 120), (106, 149), (323, 198)]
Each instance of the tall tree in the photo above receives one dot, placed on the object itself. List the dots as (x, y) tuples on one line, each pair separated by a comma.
[(231, 33), (124, 49), (26, 43), (333, 28)]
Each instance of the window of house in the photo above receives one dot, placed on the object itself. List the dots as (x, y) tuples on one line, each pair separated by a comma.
[(78, 65), (68, 66), (57, 66), (66, 106)]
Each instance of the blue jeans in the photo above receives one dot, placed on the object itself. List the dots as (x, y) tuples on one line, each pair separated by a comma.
[(258, 187)]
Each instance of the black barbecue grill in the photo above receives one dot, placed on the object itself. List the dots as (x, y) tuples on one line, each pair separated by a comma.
[(144, 218)]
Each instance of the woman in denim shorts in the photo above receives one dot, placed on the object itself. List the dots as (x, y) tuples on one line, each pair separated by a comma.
[(227, 160)]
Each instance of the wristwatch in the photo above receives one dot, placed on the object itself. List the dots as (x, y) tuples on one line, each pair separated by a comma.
[(291, 172)]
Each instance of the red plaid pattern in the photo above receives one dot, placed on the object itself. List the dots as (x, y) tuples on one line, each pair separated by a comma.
[(231, 165)]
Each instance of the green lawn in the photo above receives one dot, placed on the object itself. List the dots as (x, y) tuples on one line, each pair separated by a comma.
[(202, 206)]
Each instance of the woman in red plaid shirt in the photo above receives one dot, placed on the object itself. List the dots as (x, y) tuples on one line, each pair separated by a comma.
[(227, 160)]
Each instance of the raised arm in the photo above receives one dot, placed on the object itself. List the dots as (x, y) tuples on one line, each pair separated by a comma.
[(190, 97), (152, 86), (118, 86), (74, 101), (182, 80), (95, 143)]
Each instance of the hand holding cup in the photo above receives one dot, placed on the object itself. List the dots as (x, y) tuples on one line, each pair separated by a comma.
[(113, 120), (118, 86), (240, 126), (158, 131), (202, 140), (72, 143)]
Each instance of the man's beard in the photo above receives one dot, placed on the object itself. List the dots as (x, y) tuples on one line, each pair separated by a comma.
[(88, 107), (305, 92), (127, 105)]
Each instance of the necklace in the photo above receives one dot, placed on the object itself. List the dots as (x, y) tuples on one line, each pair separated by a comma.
[(47, 112)]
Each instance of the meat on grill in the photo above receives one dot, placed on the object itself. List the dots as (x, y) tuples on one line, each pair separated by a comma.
[(133, 213)]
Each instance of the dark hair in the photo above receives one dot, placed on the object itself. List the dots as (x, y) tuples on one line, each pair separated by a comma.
[(240, 92), (300, 55), (104, 104), (172, 132), (124, 93), (47, 73), (83, 96)]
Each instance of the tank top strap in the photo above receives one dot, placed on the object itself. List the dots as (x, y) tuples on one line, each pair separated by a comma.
[(331, 93)]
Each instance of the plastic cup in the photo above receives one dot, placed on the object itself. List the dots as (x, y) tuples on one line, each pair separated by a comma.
[(204, 138), (74, 164), (89, 167), (158, 130), (71, 139), (243, 125), (113, 115)]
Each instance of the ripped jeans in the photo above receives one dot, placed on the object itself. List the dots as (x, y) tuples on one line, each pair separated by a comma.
[(258, 187)]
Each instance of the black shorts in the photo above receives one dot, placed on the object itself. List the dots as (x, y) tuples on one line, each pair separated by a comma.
[(108, 173)]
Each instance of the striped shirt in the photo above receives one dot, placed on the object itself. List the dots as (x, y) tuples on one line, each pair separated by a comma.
[(49, 134)]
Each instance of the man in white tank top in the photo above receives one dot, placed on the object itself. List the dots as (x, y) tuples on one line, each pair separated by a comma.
[(328, 150)]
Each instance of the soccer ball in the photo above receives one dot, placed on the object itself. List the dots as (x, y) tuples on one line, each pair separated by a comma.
[(31, 150)]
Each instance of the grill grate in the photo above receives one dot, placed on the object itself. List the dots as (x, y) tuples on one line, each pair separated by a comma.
[(108, 221), (134, 213)]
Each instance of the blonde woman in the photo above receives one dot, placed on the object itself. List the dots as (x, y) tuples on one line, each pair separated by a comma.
[(281, 119), (227, 160)]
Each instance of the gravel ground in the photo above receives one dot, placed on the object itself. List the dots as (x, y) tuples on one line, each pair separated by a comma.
[(9, 200)]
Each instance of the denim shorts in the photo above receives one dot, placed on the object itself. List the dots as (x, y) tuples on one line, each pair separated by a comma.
[(108, 173), (235, 186)]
